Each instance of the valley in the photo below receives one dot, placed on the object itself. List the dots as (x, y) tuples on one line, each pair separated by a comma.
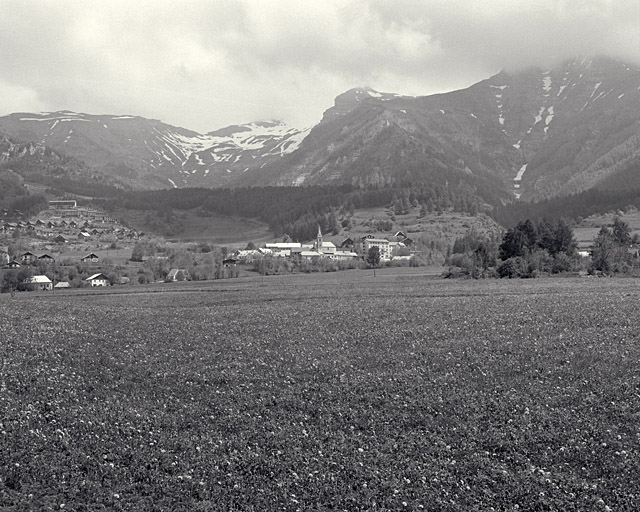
[(529, 144)]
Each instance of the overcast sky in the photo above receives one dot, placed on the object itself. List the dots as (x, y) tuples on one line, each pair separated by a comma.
[(205, 64)]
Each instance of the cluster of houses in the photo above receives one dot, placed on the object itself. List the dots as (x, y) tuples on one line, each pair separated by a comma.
[(349, 249), (29, 258), (65, 222), (43, 283)]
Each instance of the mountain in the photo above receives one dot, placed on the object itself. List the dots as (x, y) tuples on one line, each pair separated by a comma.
[(532, 134), (146, 153), (529, 134)]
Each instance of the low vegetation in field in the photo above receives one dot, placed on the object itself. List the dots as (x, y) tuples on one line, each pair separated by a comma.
[(381, 394)]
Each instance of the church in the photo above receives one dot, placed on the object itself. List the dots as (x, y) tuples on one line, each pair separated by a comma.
[(319, 249)]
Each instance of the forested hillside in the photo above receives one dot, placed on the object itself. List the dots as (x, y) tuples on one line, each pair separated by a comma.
[(590, 202), (297, 211)]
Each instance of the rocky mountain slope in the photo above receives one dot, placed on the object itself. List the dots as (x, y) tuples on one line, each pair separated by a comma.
[(9, 150), (147, 153), (528, 134), (539, 133)]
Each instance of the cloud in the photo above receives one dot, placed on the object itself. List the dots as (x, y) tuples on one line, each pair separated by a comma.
[(19, 99), (206, 64)]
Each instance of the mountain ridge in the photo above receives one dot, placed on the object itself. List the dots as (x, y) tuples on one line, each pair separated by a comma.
[(148, 148), (528, 134), (542, 132)]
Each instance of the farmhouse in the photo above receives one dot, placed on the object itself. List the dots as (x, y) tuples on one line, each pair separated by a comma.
[(347, 243), (97, 280), (28, 257), (11, 265), (178, 274), (39, 283), (90, 258), (45, 258), (62, 285), (229, 262)]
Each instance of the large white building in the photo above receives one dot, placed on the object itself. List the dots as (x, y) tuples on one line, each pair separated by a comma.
[(383, 245)]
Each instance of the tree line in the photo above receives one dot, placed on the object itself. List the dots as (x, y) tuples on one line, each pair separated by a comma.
[(530, 249), (526, 250), (575, 206)]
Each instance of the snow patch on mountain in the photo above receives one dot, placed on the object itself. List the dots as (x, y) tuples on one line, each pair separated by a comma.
[(549, 118), (538, 118), (517, 180), (521, 172)]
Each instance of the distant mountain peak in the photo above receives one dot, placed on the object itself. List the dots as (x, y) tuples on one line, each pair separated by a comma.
[(353, 98)]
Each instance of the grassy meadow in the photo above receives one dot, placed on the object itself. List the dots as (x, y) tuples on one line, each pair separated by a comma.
[(587, 230), (332, 391)]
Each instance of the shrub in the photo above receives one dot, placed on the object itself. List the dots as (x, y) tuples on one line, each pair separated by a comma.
[(513, 267)]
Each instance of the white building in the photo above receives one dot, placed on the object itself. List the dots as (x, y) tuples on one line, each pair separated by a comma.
[(40, 283), (98, 280), (384, 246)]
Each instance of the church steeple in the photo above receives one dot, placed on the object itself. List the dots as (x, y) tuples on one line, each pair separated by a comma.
[(319, 240)]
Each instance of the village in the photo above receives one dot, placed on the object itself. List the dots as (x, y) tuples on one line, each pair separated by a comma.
[(349, 249), (72, 246)]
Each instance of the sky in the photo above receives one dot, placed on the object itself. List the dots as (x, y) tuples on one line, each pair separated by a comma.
[(206, 64)]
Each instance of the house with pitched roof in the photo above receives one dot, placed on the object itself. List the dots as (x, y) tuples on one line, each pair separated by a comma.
[(98, 280), (38, 283), (90, 258), (178, 274), (13, 264), (45, 258), (28, 257)]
